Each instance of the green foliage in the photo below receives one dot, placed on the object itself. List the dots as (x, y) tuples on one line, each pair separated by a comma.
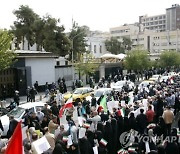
[(45, 32), (55, 39), (116, 47), (6, 56), (78, 42), (137, 60), (86, 65), (23, 26), (169, 59)]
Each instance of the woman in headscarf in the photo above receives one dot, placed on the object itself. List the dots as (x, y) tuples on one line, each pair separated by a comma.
[(114, 133), (132, 121), (100, 127), (108, 136)]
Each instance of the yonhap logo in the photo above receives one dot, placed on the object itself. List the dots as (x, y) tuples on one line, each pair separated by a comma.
[(127, 138)]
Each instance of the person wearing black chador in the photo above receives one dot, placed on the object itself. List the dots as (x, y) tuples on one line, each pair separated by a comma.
[(141, 122), (114, 133), (108, 134), (132, 121), (85, 146)]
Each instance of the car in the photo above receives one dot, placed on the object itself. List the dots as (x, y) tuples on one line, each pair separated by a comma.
[(145, 83), (119, 84), (164, 78), (79, 94), (19, 113), (99, 92), (155, 78), (171, 74)]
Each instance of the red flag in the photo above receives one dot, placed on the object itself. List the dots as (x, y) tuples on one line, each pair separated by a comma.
[(15, 145), (68, 104)]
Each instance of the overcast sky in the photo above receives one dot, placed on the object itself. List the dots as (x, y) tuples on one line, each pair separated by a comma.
[(97, 14)]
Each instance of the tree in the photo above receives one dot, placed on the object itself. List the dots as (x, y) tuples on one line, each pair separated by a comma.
[(116, 47), (23, 26), (127, 43), (169, 59), (87, 65), (137, 60), (78, 42), (45, 32), (55, 40), (6, 56)]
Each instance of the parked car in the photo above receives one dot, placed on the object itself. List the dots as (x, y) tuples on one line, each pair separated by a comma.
[(79, 94), (119, 85), (99, 92), (155, 78), (164, 78), (145, 83), (19, 113)]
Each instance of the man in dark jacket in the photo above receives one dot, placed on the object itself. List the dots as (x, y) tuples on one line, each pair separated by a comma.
[(141, 120), (16, 97), (93, 100), (55, 109), (12, 125), (33, 92)]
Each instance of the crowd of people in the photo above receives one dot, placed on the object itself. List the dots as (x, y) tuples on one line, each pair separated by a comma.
[(149, 112)]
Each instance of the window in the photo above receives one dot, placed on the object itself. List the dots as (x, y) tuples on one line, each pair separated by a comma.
[(94, 48), (100, 49)]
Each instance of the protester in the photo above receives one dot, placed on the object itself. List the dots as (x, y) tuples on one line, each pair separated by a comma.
[(142, 115)]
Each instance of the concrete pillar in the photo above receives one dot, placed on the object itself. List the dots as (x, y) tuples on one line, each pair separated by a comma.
[(102, 71)]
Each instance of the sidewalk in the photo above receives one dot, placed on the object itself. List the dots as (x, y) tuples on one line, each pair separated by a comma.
[(23, 99)]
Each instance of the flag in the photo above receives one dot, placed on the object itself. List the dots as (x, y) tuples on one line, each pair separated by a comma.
[(112, 98), (86, 125), (68, 104), (122, 110), (178, 133), (15, 145), (103, 103), (131, 149), (65, 138), (122, 151), (103, 142)]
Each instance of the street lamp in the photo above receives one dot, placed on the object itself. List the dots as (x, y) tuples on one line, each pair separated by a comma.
[(73, 54)]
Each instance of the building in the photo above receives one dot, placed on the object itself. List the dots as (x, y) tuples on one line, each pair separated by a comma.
[(96, 44), (173, 17), (31, 66), (124, 31), (156, 23), (163, 22)]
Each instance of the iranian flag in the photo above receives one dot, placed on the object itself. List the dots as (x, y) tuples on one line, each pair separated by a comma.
[(131, 149), (65, 138), (122, 110), (86, 125), (103, 142), (122, 151), (68, 104), (178, 133), (15, 144)]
